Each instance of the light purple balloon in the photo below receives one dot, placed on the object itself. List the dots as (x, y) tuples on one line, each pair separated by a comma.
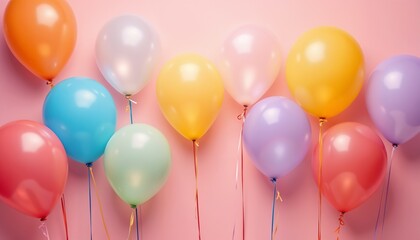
[(393, 98), (277, 136)]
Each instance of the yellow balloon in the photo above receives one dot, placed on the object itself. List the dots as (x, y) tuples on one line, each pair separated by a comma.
[(325, 71), (190, 94)]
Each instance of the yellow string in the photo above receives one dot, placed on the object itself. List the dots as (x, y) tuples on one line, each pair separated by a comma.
[(99, 202), (278, 198), (131, 224), (195, 146), (321, 123)]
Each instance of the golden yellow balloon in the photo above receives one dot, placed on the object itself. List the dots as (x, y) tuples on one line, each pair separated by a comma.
[(190, 94), (325, 71)]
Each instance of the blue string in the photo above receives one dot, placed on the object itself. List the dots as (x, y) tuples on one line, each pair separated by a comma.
[(90, 202), (137, 224), (131, 111), (273, 180)]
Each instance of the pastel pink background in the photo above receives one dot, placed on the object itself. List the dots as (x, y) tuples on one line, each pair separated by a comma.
[(383, 29)]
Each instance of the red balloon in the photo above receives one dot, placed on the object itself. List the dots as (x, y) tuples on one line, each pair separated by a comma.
[(353, 165), (33, 167)]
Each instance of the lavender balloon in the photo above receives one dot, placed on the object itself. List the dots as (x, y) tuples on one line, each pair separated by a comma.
[(393, 98), (277, 136)]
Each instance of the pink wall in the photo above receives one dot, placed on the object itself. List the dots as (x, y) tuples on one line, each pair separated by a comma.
[(383, 29)]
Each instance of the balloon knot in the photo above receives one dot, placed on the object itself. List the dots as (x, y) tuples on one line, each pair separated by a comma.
[(322, 120), (128, 97), (394, 145), (243, 114), (89, 164), (273, 180), (43, 219), (196, 143), (50, 83)]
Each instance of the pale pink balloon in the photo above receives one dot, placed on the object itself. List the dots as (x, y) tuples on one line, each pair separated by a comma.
[(249, 63)]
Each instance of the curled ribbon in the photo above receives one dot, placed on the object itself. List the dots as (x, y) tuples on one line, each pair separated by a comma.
[(340, 225)]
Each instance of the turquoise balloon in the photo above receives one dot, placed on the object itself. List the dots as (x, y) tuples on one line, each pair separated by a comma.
[(137, 160), (82, 113)]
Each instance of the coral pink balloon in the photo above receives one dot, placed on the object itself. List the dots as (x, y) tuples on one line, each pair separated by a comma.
[(353, 165), (33, 167), (249, 63)]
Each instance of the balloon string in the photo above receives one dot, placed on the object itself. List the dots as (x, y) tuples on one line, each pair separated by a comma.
[(131, 224), (321, 123), (197, 208), (241, 117), (99, 200), (64, 212), (90, 205), (130, 107), (240, 162), (44, 229), (385, 190), (131, 112), (340, 225), (273, 180), (137, 221)]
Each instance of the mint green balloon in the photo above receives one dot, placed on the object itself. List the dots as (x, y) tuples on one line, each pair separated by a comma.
[(137, 160)]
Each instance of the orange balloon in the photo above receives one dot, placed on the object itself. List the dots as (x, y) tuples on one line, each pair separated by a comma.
[(41, 34)]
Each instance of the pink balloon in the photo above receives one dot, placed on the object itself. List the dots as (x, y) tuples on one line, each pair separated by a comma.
[(353, 165), (249, 63), (127, 51), (33, 167)]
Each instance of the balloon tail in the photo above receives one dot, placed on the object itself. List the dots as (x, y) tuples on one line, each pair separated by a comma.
[(273, 207), (44, 229), (197, 208), (321, 123), (64, 212), (340, 225), (384, 196), (99, 200), (137, 221), (131, 224)]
